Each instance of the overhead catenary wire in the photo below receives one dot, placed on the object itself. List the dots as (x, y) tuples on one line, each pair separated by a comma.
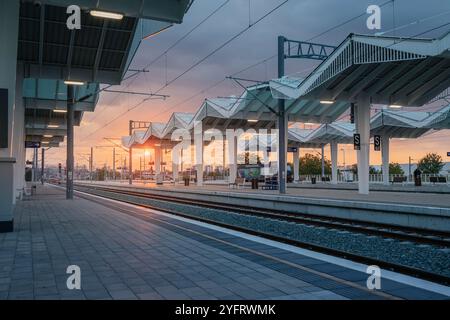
[(269, 58), (135, 73), (240, 33)]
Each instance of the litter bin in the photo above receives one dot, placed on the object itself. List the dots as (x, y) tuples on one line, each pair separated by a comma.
[(186, 182), (313, 180), (254, 183)]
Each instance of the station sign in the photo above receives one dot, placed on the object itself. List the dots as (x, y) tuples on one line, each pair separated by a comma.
[(292, 149), (357, 141), (377, 143), (32, 144)]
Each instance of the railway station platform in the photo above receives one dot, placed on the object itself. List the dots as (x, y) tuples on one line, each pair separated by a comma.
[(126, 252)]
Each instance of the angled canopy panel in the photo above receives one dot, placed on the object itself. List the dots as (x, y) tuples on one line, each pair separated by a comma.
[(340, 132), (102, 50), (261, 102), (391, 70), (167, 10), (440, 119), (52, 94)]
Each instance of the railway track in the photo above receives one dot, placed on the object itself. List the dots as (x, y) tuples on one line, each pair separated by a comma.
[(419, 236), (135, 198)]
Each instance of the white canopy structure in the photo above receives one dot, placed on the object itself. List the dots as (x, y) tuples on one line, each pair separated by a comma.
[(260, 101), (373, 69)]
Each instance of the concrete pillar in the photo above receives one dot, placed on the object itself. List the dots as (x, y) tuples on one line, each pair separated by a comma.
[(362, 123), (198, 151), (334, 162), (175, 163), (323, 160), (175, 172), (385, 158), (232, 155), (9, 29), (158, 160), (296, 161)]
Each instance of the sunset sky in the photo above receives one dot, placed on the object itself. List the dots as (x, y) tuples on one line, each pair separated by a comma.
[(297, 19)]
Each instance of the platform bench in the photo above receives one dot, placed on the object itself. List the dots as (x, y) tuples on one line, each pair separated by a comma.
[(399, 180), (438, 179)]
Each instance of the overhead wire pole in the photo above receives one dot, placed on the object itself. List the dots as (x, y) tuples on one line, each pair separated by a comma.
[(91, 163), (130, 156), (42, 165), (70, 138), (282, 122)]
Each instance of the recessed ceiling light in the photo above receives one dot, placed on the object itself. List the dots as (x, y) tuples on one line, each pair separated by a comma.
[(73, 83), (106, 14)]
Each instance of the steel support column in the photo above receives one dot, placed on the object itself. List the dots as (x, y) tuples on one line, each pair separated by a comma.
[(42, 165), (91, 163), (296, 161), (114, 164), (70, 138), (130, 156), (282, 122)]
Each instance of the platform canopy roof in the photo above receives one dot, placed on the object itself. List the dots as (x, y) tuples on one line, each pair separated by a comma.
[(340, 132), (399, 124), (259, 102), (390, 70), (102, 50), (178, 120), (145, 139), (300, 138), (161, 10), (52, 94), (440, 119)]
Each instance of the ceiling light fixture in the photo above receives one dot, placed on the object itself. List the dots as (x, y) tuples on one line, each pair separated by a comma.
[(73, 83), (60, 111), (106, 14), (327, 101), (52, 126), (395, 106)]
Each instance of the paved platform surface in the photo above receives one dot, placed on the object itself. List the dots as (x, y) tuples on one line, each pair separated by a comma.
[(129, 253), (409, 198)]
